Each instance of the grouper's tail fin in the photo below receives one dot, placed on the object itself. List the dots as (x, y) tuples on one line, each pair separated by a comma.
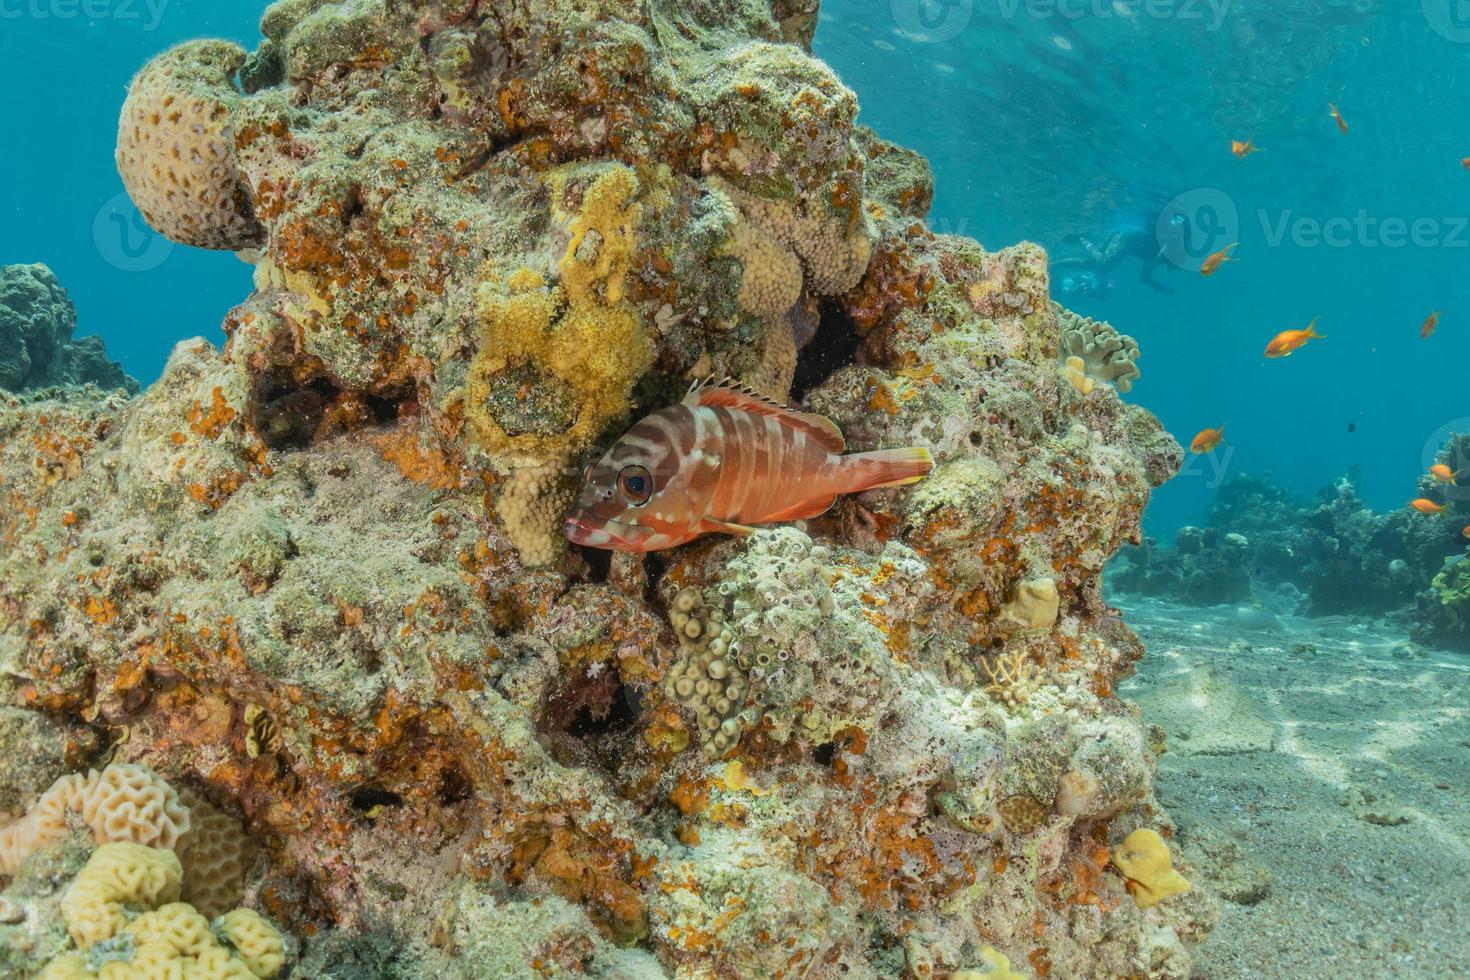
[(889, 468)]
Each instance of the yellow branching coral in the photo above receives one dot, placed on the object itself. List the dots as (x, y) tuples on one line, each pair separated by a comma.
[(1013, 677), (558, 361), (125, 896), (1144, 859)]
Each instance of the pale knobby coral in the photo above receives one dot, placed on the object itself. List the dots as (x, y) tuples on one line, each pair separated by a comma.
[(531, 507)]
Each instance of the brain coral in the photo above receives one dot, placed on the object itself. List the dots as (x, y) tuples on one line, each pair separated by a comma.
[(120, 803), (176, 147)]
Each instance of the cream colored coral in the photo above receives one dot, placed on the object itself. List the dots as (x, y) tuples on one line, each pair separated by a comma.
[(121, 803), (1034, 605), (532, 507), (834, 251), (117, 876), (778, 362), (215, 853), (176, 147), (255, 941), (118, 894), (1105, 354), (770, 281), (178, 925)]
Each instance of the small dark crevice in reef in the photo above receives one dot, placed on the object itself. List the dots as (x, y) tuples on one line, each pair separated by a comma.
[(365, 798), (293, 414), (834, 346), (590, 717)]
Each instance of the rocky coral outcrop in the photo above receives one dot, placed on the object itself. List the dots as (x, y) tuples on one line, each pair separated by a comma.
[(315, 575), (37, 349)]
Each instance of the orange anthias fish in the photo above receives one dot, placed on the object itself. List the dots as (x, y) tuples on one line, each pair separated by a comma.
[(719, 461), (1244, 148), (1207, 441), (1443, 474), (1466, 531), (1288, 342), (1214, 262), (1424, 506), (1465, 163), (1337, 117), (1427, 331)]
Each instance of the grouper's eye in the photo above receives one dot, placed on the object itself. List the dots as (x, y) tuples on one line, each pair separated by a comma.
[(635, 484)]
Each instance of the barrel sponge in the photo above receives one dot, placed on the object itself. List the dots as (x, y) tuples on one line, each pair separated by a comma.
[(532, 507), (1106, 354), (1144, 859), (117, 876), (215, 853), (771, 277), (121, 803), (176, 147), (256, 942)]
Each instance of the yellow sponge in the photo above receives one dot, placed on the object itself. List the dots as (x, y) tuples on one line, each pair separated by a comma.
[(1144, 859)]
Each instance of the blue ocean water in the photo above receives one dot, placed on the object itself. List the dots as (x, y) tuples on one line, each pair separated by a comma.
[(1057, 122)]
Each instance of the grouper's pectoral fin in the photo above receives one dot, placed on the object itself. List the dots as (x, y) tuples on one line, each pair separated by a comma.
[(712, 526), (802, 510)]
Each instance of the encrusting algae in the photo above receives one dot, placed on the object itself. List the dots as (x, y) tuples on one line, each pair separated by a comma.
[(320, 577)]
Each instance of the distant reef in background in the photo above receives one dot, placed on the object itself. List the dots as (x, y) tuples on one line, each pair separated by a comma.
[(1343, 558), (38, 354)]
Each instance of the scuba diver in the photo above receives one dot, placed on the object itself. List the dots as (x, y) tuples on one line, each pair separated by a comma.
[(1128, 234)]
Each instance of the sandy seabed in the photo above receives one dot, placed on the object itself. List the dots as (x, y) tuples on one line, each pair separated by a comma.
[(1319, 775)]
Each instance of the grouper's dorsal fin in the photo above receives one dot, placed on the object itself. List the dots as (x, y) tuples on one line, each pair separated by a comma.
[(731, 394)]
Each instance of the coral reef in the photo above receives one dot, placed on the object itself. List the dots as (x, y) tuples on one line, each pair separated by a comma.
[(315, 576), (1334, 553), (37, 350)]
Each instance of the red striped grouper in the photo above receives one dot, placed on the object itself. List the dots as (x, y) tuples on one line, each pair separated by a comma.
[(723, 459)]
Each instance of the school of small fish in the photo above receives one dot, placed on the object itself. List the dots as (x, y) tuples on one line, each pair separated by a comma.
[(720, 461)]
